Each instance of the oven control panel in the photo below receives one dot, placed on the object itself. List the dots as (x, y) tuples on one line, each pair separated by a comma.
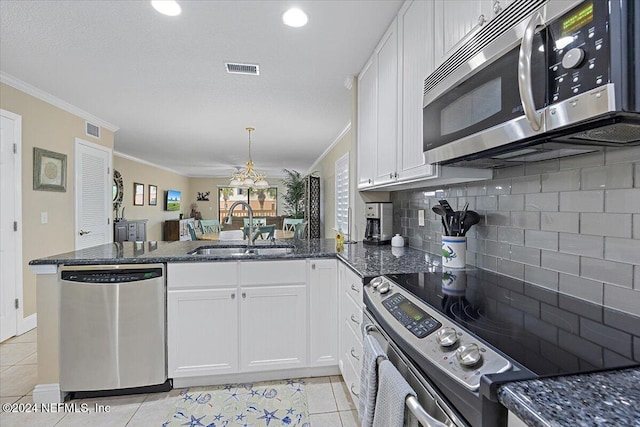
[(416, 320), (437, 338)]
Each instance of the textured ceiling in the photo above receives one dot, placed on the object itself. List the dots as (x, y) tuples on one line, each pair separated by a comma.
[(162, 80)]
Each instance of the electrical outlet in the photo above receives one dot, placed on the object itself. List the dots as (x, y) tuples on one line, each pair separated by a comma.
[(44, 218), (421, 217)]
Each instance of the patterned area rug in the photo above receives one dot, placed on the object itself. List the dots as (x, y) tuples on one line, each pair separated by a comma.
[(269, 403)]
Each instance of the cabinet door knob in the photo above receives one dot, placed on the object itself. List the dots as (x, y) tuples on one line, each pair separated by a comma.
[(244, 295), (233, 296), (313, 266), (497, 8), (355, 288), (481, 20)]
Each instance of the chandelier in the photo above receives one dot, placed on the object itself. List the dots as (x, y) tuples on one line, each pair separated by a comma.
[(249, 177)]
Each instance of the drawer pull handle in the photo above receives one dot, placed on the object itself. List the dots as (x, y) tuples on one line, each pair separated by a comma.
[(233, 296), (353, 391), (355, 288), (354, 354), (355, 320)]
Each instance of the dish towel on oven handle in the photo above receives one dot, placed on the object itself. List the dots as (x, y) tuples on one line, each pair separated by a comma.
[(392, 393), (369, 379)]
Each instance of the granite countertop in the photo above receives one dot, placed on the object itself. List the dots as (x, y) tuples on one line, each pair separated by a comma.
[(371, 261), (599, 399)]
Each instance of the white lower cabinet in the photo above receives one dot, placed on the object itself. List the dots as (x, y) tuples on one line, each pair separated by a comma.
[(273, 327), (249, 317), (350, 351)]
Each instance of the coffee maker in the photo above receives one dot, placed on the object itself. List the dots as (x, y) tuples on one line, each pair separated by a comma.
[(379, 228)]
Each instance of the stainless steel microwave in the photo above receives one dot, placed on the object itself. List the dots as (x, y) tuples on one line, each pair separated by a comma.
[(544, 79)]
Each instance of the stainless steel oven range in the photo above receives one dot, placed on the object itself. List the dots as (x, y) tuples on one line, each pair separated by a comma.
[(457, 335)]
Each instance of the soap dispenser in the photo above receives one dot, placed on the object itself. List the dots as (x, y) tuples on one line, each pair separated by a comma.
[(397, 240)]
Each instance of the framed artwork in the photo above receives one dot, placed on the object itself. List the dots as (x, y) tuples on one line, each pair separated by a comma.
[(153, 195), (49, 170), (138, 194)]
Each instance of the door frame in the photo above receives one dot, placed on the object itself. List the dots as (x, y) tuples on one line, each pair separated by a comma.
[(22, 325), (76, 197)]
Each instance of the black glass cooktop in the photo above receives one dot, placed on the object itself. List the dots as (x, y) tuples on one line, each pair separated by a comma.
[(546, 332)]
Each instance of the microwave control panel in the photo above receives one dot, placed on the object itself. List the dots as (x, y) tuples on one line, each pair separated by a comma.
[(578, 51)]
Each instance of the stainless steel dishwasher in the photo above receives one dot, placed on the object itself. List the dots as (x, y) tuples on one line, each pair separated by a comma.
[(112, 327)]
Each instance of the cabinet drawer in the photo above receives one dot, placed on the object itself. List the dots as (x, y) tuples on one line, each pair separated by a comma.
[(202, 274), (132, 227), (351, 313), (352, 345), (352, 286), (273, 272), (352, 381)]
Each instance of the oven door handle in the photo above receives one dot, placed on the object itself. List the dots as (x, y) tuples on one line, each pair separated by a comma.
[(411, 401), (524, 73)]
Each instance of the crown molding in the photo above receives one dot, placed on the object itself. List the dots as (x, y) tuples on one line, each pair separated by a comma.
[(344, 131), (50, 99), (145, 162)]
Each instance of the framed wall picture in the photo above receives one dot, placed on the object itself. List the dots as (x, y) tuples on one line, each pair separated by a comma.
[(49, 170), (153, 195), (138, 194)]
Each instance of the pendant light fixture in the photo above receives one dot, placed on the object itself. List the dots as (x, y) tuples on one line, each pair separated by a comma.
[(249, 177)]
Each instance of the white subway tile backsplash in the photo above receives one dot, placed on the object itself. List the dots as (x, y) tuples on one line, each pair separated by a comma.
[(615, 273), (526, 184), (636, 226), (622, 201), (577, 244), (487, 262), (509, 172), (541, 277), (561, 181), (636, 180), (584, 161), (614, 225), (499, 186), (589, 290), (487, 232), (622, 298), (536, 168), (546, 202), (560, 221), (557, 261), (612, 176), (636, 278), (511, 235), (528, 220), (511, 202), (624, 250), (525, 255), (497, 249), (476, 190), (582, 201), (622, 155), (541, 239)]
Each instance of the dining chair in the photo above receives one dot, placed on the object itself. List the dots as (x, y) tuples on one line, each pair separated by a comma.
[(263, 230), (299, 231), (289, 224), (209, 226), (256, 221), (192, 231), (231, 235)]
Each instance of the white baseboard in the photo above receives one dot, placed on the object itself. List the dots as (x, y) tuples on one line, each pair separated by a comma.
[(48, 393), (28, 323)]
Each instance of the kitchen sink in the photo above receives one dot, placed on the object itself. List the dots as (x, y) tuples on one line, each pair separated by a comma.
[(241, 251)]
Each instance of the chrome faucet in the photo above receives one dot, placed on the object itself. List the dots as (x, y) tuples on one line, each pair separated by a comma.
[(254, 231)]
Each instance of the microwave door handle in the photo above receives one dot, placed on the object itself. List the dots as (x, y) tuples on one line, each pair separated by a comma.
[(524, 73)]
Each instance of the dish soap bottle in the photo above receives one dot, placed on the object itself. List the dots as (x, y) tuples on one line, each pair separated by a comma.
[(339, 241), (397, 241)]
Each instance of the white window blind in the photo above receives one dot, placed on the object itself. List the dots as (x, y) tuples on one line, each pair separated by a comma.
[(342, 193)]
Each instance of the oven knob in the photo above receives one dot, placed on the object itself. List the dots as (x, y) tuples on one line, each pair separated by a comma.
[(447, 336), (573, 58), (469, 354), (384, 288), (375, 282)]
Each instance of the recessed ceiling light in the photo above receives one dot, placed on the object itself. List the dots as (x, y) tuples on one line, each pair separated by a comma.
[(167, 7), (295, 18)]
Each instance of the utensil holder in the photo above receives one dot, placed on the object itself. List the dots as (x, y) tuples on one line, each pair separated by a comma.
[(454, 251)]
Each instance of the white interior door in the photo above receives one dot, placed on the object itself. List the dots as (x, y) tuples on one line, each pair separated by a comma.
[(93, 194), (10, 226)]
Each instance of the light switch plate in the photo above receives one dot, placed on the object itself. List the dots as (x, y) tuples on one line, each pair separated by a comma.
[(421, 217), (44, 218)]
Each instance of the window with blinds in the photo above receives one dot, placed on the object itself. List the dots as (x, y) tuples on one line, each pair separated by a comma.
[(342, 193)]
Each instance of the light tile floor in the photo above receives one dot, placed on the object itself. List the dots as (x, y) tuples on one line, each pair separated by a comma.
[(329, 402)]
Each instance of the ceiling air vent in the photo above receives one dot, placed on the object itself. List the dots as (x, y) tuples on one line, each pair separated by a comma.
[(235, 68), (92, 130)]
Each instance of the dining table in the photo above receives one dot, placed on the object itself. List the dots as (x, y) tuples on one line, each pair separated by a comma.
[(279, 234)]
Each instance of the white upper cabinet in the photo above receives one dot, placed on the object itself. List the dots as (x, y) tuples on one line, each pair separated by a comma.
[(367, 119), (387, 55), (415, 28)]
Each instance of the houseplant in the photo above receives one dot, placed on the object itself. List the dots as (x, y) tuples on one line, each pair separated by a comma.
[(293, 196)]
